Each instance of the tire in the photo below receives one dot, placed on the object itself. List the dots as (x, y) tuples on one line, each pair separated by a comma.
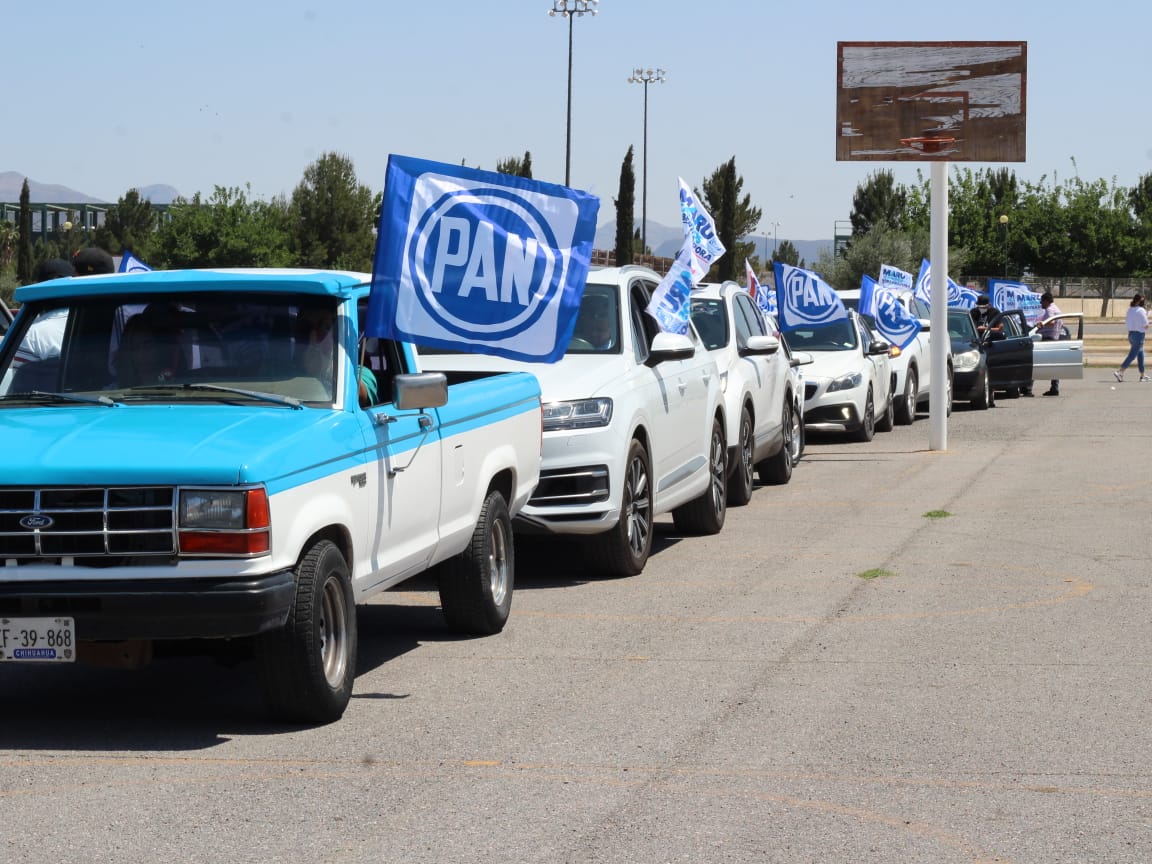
[(624, 550), (867, 430), (983, 400), (887, 420), (476, 586), (740, 480), (948, 395), (308, 666), (777, 469), (1011, 392), (906, 404), (705, 514)]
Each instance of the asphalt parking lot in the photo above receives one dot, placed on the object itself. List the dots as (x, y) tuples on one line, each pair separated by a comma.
[(904, 655)]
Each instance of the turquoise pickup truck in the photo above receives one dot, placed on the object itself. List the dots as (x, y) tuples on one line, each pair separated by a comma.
[(223, 455)]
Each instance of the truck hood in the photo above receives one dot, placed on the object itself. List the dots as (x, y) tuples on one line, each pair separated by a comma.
[(165, 444)]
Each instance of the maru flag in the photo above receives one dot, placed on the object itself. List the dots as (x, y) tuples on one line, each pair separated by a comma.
[(671, 302), (480, 261), (699, 232)]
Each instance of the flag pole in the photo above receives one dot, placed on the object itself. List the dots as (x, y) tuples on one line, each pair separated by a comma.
[(938, 280)]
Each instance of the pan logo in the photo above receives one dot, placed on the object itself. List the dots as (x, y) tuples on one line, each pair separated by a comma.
[(484, 261), (810, 300), (894, 321)]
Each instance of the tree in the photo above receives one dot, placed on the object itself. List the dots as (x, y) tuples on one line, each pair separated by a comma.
[(130, 224), (24, 245), (228, 230), (516, 167), (626, 212), (333, 215), (877, 199), (787, 253), (734, 218)]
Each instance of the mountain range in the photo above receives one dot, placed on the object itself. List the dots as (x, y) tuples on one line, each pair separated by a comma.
[(51, 193), (664, 241)]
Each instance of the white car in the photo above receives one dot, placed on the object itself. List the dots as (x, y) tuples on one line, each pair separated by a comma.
[(912, 364), (848, 387), (634, 426), (763, 406)]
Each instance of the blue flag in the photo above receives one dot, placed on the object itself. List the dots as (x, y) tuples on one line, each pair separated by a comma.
[(893, 321), (765, 298), (804, 299), (923, 289), (671, 301), (479, 261), (894, 277), (129, 263), (1007, 295)]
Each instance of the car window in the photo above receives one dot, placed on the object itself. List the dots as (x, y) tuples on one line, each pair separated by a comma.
[(598, 322), (710, 321), (749, 317), (960, 327)]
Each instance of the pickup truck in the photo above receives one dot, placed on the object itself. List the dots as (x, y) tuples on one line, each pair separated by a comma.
[(222, 455)]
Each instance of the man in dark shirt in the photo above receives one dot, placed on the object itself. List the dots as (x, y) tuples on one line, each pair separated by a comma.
[(986, 317)]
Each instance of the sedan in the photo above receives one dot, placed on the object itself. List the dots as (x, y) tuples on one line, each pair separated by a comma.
[(971, 381), (763, 406), (848, 387)]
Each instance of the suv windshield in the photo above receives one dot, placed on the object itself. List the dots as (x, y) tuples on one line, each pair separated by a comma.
[(136, 347)]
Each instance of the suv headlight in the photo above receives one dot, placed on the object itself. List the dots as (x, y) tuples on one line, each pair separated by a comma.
[(577, 414), (966, 360), (846, 382)]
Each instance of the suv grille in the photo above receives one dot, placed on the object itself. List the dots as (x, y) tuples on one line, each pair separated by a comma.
[(87, 522)]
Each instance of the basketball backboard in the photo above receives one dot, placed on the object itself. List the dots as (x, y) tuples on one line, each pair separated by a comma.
[(916, 101)]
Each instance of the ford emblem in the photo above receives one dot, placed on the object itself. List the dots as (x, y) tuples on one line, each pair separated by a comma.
[(36, 521)]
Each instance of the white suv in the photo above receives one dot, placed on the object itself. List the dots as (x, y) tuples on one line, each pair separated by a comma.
[(912, 366), (634, 426), (764, 407)]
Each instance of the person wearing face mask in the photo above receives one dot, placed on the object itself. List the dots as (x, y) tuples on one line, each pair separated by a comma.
[(986, 317)]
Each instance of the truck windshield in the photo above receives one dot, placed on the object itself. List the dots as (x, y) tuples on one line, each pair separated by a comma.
[(125, 346)]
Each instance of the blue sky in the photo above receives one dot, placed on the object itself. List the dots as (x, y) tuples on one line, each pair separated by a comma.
[(211, 93)]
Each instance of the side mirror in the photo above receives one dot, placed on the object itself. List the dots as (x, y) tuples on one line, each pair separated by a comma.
[(669, 346), (760, 345), (414, 392), (879, 346), (802, 358)]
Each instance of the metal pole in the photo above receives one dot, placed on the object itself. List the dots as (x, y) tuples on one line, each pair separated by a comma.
[(568, 126), (938, 285), (644, 194)]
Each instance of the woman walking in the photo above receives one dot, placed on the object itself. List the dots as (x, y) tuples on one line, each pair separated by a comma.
[(1137, 323)]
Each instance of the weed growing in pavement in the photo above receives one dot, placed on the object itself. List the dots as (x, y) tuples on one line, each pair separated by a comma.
[(875, 573), (937, 514)]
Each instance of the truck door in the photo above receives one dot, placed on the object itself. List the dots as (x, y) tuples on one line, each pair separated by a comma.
[(405, 471)]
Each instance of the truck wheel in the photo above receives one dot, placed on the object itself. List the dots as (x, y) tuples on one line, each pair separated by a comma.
[(777, 469), (740, 480), (476, 585), (624, 550), (705, 515), (308, 666), (906, 404)]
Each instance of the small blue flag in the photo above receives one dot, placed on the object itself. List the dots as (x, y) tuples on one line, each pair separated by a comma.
[(671, 302), (893, 321), (804, 299), (129, 263)]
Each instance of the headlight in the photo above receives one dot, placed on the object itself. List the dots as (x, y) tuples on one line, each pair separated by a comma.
[(966, 360), (219, 522), (846, 382), (578, 414)]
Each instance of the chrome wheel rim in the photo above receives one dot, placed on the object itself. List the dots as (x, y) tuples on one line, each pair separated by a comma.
[(498, 565), (718, 469), (334, 632), (746, 449), (637, 507), (792, 434)]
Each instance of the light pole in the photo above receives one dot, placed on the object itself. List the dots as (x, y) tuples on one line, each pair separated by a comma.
[(645, 77), (1004, 223), (570, 9)]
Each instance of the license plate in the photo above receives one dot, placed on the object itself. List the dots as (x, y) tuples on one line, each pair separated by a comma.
[(37, 640)]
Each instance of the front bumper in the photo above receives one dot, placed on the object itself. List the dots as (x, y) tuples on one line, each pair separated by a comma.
[(122, 609)]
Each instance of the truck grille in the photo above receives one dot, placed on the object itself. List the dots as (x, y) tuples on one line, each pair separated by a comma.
[(87, 522)]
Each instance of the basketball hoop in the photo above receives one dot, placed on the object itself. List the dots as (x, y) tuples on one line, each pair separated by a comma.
[(928, 144)]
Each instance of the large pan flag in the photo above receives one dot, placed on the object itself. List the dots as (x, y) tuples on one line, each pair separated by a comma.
[(479, 261), (958, 296), (804, 299)]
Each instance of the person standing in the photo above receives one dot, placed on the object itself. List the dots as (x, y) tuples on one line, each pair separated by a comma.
[(1049, 330), (1136, 322)]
